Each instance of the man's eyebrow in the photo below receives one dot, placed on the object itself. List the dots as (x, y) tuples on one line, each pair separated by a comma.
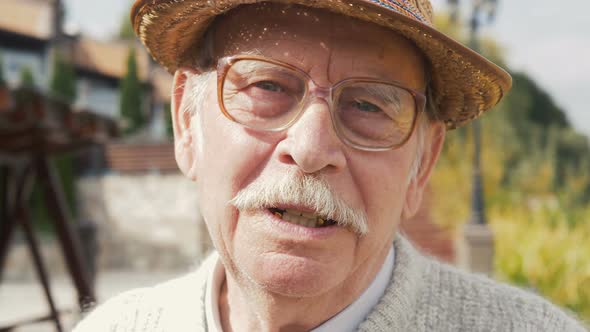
[(388, 93)]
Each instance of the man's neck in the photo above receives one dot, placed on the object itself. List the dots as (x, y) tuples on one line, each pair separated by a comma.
[(244, 306)]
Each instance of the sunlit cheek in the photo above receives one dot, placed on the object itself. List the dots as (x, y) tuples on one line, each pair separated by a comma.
[(388, 186)]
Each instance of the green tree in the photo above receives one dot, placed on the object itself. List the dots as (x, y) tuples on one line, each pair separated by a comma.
[(541, 109), (131, 97), (63, 81), (63, 86), (126, 29), (27, 80)]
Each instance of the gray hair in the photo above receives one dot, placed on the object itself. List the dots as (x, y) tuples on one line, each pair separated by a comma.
[(428, 116)]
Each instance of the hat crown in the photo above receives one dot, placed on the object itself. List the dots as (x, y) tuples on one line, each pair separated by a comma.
[(420, 10)]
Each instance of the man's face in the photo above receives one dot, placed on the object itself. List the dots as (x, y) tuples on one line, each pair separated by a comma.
[(224, 157)]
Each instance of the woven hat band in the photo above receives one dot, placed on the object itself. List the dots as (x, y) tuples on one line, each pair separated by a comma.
[(420, 10)]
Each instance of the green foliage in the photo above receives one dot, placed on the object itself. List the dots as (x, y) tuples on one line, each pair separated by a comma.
[(2, 80), (535, 104), (126, 29), (62, 85), (131, 97), (27, 80), (63, 81), (449, 211), (536, 175), (64, 165), (572, 154), (537, 249), (168, 117)]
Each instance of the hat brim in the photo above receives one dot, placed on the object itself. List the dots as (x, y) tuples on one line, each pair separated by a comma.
[(465, 84)]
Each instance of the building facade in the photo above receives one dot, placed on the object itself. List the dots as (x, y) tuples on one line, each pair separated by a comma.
[(32, 32)]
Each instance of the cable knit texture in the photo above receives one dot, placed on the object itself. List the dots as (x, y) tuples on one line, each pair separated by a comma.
[(424, 295)]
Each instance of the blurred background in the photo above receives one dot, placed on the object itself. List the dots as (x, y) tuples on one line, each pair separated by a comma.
[(510, 196)]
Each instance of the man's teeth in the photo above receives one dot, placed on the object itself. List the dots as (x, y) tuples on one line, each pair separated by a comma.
[(301, 218)]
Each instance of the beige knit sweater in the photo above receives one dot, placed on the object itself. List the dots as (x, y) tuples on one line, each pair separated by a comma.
[(424, 295)]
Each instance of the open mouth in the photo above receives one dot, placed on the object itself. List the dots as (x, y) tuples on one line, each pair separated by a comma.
[(301, 218)]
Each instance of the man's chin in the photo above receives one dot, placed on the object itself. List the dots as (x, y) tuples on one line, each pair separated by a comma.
[(288, 259), (295, 276)]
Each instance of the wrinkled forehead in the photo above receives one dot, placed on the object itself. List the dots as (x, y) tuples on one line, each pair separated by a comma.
[(311, 37)]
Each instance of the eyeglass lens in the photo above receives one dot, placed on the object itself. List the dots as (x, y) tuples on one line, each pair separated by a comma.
[(267, 96)]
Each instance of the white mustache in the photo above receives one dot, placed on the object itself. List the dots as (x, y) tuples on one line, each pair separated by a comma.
[(310, 191)]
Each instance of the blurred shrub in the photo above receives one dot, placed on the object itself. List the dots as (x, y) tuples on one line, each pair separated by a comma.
[(130, 102), (27, 80), (537, 248), (63, 79), (537, 200), (536, 178)]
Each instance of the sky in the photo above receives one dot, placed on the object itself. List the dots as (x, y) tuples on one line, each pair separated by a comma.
[(549, 40)]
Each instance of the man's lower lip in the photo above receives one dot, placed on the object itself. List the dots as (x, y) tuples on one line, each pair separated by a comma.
[(277, 224)]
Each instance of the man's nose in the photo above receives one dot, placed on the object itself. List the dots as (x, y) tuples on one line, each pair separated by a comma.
[(312, 143)]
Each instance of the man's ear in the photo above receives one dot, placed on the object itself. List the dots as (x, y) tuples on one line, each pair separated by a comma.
[(433, 143), (181, 123)]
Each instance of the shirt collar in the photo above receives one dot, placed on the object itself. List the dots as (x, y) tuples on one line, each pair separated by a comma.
[(214, 282), (346, 320)]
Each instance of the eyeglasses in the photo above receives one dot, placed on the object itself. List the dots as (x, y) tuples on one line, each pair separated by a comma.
[(268, 95)]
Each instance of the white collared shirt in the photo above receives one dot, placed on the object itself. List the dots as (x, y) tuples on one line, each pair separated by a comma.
[(346, 320)]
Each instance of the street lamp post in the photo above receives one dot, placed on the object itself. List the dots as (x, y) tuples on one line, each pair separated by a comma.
[(479, 256), (482, 11)]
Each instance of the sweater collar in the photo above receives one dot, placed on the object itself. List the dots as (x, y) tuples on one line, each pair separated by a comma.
[(397, 307), (346, 320)]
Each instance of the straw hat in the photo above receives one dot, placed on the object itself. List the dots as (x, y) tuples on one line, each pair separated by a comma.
[(464, 83)]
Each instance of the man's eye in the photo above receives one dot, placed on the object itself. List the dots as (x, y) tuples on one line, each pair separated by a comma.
[(269, 86), (366, 106)]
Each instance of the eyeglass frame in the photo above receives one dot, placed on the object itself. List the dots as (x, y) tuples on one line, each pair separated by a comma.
[(224, 64)]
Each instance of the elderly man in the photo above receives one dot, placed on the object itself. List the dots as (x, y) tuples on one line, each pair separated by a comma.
[(310, 129)]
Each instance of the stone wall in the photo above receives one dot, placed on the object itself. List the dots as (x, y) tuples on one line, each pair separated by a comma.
[(144, 221)]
